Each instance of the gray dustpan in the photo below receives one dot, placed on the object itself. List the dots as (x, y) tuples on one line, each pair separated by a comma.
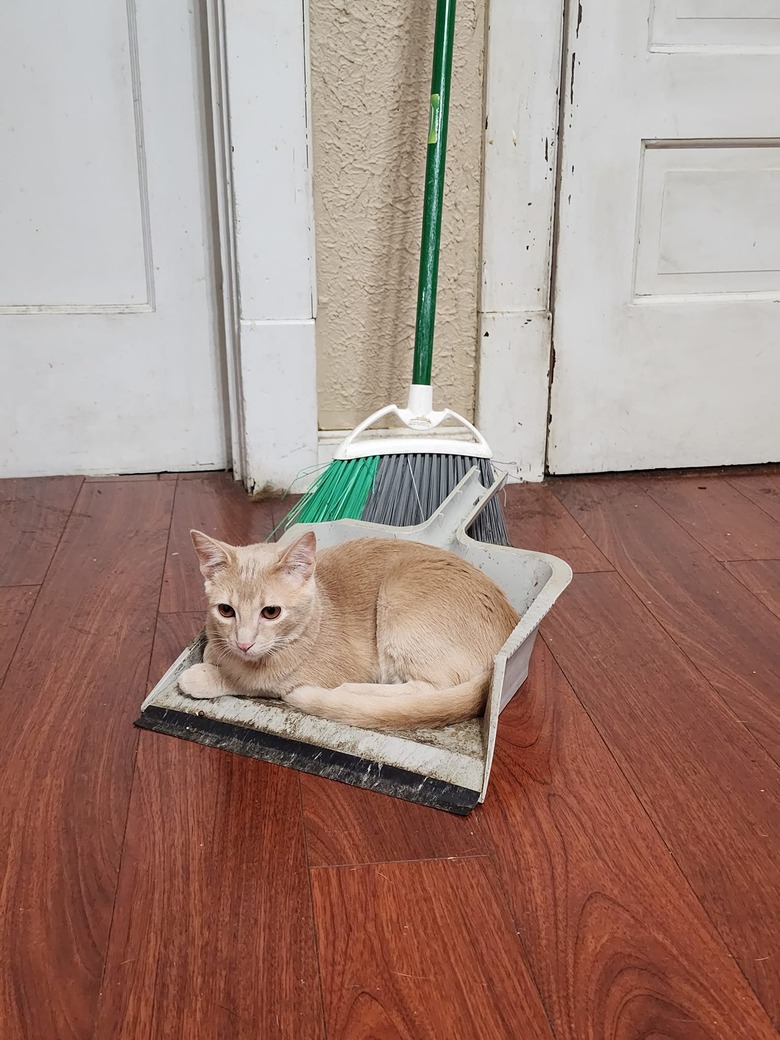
[(446, 768)]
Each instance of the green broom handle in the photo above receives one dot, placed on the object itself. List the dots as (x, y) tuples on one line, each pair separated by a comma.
[(434, 191)]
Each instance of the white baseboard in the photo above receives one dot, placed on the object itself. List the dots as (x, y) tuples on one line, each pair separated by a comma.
[(278, 369), (329, 440)]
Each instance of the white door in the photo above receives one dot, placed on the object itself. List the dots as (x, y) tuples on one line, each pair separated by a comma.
[(667, 292), (108, 331)]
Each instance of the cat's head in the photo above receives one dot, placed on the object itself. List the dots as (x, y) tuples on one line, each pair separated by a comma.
[(260, 596)]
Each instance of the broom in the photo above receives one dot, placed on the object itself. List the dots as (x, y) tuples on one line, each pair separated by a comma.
[(403, 478)]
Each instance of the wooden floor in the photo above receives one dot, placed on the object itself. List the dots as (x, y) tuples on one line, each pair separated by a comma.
[(622, 880)]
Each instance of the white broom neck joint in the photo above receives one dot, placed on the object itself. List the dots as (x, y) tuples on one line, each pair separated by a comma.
[(420, 399)]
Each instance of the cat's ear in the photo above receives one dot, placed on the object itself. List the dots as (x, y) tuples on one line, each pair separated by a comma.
[(213, 555), (298, 560)]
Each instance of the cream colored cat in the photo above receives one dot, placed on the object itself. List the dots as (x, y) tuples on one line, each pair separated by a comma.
[(374, 633)]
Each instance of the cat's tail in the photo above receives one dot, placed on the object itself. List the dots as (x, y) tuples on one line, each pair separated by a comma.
[(398, 706)]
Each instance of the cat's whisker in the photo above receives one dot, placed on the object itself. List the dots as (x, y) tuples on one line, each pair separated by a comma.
[(221, 648)]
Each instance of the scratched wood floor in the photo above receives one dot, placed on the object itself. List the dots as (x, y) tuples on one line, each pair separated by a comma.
[(622, 880)]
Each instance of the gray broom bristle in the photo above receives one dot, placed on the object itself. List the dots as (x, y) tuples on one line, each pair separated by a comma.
[(408, 489)]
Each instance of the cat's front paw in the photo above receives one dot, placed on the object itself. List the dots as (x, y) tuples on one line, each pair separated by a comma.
[(201, 681)]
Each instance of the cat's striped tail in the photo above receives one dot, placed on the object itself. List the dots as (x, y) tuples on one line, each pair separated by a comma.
[(394, 706)]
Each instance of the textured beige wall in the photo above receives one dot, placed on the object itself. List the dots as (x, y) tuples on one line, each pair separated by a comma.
[(370, 62)]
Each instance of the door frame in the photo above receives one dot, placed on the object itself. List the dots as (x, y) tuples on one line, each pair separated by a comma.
[(266, 235), (524, 51)]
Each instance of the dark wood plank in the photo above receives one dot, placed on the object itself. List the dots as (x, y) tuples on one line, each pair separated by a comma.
[(762, 577), (66, 709), (213, 934), (726, 523), (218, 505), (537, 520), (174, 632), (762, 487), (421, 950), (725, 631), (711, 791), (348, 825), (33, 514), (605, 916), (15, 607)]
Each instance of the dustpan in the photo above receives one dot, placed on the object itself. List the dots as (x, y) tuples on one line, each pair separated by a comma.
[(446, 768)]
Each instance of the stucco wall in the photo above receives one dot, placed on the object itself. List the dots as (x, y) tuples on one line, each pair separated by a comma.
[(370, 67)]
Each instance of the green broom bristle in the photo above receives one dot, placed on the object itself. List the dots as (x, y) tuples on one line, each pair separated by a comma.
[(339, 493)]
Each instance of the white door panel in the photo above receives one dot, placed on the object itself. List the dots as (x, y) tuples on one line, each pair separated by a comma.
[(667, 302), (110, 351)]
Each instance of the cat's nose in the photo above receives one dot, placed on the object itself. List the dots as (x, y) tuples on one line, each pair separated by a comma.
[(245, 646)]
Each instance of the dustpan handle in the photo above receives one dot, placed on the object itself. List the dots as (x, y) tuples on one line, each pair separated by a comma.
[(444, 36)]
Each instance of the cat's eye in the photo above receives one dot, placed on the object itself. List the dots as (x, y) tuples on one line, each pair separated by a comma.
[(271, 613), (226, 610)]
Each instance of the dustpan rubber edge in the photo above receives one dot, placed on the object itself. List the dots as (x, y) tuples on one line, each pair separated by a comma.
[(308, 758)]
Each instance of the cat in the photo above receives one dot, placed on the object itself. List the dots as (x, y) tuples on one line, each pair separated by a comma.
[(377, 633)]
